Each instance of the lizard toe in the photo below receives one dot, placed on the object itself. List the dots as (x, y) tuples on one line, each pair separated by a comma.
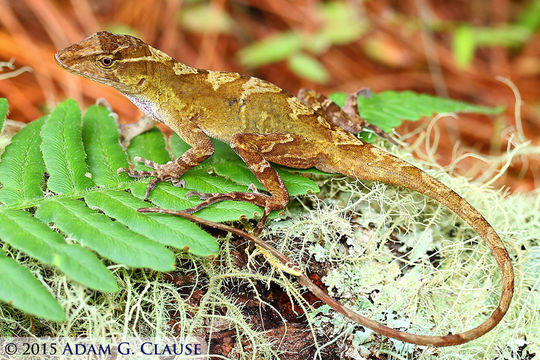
[(146, 162), (202, 196), (151, 185), (135, 173), (179, 183)]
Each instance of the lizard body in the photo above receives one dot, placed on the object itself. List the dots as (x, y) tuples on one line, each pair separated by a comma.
[(264, 124)]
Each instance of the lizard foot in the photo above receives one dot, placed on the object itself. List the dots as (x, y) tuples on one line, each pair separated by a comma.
[(200, 195), (209, 198), (254, 198), (161, 172)]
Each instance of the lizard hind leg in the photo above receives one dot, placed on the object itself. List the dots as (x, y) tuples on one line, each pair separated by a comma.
[(257, 150), (346, 117), (336, 114)]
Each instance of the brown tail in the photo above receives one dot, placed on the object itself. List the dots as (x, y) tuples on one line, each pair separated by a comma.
[(366, 162)]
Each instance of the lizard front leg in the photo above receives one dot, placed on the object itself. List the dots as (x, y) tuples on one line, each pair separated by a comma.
[(257, 150), (201, 149)]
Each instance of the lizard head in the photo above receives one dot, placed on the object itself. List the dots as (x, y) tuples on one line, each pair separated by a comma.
[(114, 60)]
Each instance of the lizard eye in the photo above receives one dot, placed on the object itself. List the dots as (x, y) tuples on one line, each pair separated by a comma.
[(106, 61)]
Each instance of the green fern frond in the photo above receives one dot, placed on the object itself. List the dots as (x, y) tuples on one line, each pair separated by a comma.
[(64, 204)]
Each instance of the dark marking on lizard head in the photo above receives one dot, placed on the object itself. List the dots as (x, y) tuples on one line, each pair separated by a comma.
[(120, 61)]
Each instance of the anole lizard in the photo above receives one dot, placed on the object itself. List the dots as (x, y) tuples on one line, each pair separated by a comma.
[(264, 124)]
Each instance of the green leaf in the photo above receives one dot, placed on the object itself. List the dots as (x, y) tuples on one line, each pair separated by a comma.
[(23, 291), (341, 24), (223, 151), (205, 18), (509, 35), (466, 38), (179, 146), (271, 49), (223, 154), (367, 136), (530, 16), (63, 150), (296, 183), (22, 168), (309, 68), (3, 112), (108, 238), (464, 46), (151, 146), (387, 109), (26, 233), (167, 230), (83, 266), (105, 155), (237, 172), (204, 182)]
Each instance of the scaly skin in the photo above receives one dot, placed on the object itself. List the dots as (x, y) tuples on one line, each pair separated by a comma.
[(264, 123)]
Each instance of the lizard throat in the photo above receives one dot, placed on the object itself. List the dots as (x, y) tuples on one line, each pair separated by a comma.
[(146, 106)]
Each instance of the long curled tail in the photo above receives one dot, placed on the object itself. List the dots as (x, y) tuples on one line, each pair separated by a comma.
[(367, 162)]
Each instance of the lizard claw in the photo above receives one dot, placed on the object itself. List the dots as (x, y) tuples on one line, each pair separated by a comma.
[(179, 183), (365, 92)]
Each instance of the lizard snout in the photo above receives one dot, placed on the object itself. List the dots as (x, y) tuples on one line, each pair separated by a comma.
[(60, 57), (67, 57), (76, 59)]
